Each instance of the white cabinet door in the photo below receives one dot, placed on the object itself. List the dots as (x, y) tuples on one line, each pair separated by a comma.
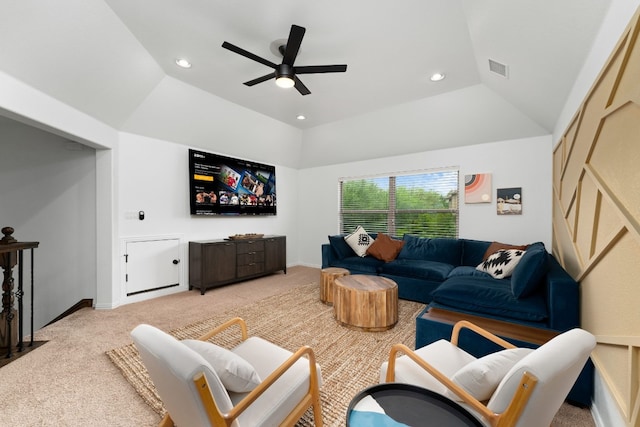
[(152, 265)]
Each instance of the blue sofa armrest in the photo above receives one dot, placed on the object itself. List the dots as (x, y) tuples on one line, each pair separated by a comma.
[(328, 256), (563, 298)]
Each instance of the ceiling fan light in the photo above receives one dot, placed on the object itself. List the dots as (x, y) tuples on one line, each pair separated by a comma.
[(285, 82)]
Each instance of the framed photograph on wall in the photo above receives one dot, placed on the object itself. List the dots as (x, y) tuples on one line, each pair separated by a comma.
[(477, 188), (509, 201)]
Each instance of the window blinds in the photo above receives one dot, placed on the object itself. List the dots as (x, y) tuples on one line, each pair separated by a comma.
[(423, 204)]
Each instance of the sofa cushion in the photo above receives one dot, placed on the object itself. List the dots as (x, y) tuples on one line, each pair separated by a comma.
[(448, 251), (467, 270), (235, 373), (473, 251), (496, 246), (279, 399), (501, 264), (340, 247), (385, 248), (419, 269), (489, 296), (366, 265), (528, 274), (359, 241)]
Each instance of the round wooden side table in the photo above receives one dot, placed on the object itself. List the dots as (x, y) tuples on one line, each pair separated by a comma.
[(327, 279), (368, 303)]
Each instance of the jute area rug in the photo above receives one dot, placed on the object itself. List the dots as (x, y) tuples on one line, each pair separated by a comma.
[(349, 359)]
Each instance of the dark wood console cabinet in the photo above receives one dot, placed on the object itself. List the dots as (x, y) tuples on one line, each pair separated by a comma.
[(214, 263)]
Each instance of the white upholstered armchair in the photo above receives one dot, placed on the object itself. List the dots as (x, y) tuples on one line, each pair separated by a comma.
[(256, 383), (514, 387)]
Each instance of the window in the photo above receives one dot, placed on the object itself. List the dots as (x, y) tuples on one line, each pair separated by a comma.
[(424, 204)]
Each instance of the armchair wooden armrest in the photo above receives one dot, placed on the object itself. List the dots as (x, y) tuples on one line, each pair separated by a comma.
[(464, 324), (515, 407), (217, 418), (312, 397), (181, 375), (459, 391), (507, 418)]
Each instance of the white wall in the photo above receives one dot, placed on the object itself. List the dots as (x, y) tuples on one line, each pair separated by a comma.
[(153, 177), (175, 111), (30, 106), (48, 195), (613, 24), (522, 163), (233, 133)]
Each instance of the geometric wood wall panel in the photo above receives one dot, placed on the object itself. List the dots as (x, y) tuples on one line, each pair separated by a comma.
[(558, 161), (571, 136), (610, 291), (627, 86), (563, 243), (596, 217), (588, 207), (615, 160), (616, 358), (608, 224), (572, 216)]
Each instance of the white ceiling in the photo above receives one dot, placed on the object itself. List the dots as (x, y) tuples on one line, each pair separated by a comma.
[(105, 57)]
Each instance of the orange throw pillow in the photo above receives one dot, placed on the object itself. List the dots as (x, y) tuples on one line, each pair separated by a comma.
[(385, 248)]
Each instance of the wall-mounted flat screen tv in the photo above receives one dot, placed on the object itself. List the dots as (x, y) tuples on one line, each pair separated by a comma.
[(221, 185)]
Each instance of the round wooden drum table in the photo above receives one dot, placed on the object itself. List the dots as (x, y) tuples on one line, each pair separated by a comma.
[(327, 280), (368, 303)]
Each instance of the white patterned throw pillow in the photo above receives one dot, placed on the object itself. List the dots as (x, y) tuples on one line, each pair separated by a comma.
[(501, 264), (359, 241)]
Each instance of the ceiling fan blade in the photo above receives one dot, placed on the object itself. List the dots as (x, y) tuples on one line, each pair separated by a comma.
[(293, 44), (312, 69), (248, 54), (260, 79), (300, 86)]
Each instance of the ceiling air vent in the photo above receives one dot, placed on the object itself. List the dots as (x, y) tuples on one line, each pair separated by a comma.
[(498, 68)]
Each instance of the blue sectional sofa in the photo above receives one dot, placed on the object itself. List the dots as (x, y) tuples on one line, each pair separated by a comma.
[(442, 274)]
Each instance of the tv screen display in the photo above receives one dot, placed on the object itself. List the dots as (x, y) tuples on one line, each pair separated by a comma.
[(221, 185)]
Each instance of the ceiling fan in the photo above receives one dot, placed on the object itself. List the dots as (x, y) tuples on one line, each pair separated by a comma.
[(286, 73)]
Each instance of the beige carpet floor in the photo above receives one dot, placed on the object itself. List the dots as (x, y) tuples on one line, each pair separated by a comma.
[(70, 381)]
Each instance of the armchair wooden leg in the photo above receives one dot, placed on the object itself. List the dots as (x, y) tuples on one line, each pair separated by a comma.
[(166, 421), (317, 410)]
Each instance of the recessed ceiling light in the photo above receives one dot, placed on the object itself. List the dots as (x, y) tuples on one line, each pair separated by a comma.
[(436, 77), (183, 63), (301, 117)]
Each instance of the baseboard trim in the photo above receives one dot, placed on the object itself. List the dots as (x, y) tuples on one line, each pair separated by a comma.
[(84, 303)]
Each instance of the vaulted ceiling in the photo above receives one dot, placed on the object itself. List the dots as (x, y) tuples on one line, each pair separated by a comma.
[(105, 57)]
